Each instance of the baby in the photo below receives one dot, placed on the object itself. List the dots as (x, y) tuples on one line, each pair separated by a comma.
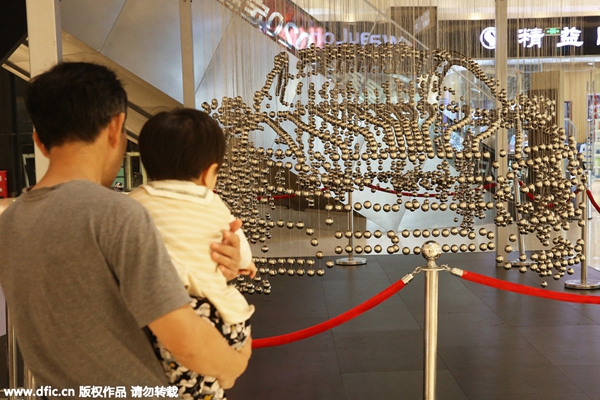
[(182, 151)]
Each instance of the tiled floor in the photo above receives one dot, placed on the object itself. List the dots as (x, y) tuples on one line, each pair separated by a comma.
[(492, 345)]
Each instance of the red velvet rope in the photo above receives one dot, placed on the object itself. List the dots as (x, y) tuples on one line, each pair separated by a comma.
[(592, 200), (396, 287), (332, 323), (529, 291)]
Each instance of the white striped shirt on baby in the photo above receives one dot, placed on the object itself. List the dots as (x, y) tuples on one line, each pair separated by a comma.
[(189, 218)]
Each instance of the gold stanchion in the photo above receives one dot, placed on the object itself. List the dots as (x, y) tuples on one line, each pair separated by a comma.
[(431, 251)]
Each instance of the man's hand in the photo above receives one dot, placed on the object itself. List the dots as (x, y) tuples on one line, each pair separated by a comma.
[(199, 346), (227, 253), (246, 351)]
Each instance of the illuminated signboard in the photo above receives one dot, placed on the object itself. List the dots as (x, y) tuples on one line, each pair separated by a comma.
[(296, 29), (577, 36), (530, 37)]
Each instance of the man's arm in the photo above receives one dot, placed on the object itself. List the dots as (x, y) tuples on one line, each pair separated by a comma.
[(200, 347)]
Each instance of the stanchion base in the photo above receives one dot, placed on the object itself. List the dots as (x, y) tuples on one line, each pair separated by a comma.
[(518, 263), (587, 285), (353, 261)]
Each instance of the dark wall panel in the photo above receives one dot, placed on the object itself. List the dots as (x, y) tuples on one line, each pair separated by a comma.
[(13, 26)]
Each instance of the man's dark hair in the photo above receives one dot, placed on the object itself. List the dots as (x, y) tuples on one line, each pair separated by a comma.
[(181, 144), (73, 102)]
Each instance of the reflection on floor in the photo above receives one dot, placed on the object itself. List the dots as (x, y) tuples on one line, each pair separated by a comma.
[(493, 345)]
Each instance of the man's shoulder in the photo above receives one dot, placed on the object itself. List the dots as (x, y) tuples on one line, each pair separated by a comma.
[(84, 191)]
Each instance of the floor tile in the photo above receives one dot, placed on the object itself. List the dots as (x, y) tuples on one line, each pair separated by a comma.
[(585, 377), (405, 385), (302, 370), (566, 345), (380, 351)]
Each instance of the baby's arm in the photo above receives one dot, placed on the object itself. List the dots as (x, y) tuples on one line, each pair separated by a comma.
[(247, 267), (250, 270)]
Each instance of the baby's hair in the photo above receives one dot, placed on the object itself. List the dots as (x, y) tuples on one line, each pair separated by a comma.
[(181, 144)]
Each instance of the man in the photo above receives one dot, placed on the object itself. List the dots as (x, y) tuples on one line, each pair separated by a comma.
[(83, 269)]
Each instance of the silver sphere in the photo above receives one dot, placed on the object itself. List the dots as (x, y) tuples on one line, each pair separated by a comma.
[(431, 250)]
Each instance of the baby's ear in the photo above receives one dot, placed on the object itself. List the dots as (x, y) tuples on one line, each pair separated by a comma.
[(209, 176), (211, 171)]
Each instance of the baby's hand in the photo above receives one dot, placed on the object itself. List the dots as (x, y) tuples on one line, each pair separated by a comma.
[(250, 270)]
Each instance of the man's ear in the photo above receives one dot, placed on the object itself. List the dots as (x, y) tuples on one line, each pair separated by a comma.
[(115, 129), (40, 145)]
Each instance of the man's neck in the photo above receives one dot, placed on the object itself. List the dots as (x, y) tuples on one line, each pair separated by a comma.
[(72, 161)]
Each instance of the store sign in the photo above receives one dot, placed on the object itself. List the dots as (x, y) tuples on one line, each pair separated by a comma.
[(288, 32), (533, 37)]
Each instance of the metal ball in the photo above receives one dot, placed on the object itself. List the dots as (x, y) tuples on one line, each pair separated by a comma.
[(431, 250)]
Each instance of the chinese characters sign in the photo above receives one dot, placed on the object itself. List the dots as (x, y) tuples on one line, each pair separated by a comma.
[(532, 37)]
